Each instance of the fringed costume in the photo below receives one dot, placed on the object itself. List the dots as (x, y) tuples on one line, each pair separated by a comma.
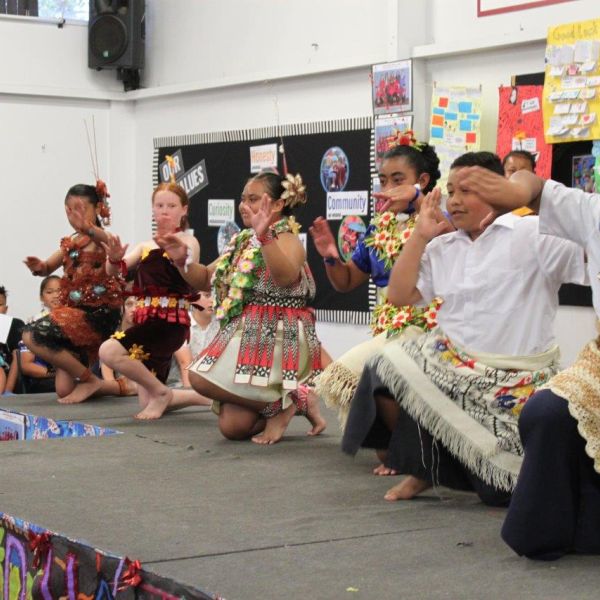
[(375, 253), (267, 343), (161, 317), (91, 304)]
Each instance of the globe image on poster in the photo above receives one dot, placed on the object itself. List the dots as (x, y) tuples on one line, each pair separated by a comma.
[(350, 230), (335, 170), (226, 232)]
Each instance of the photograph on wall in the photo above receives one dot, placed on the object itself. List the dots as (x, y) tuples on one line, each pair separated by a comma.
[(351, 228), (521, 125), (12, 426), (335, 170), (583, 173), (392, 87), (388, 131)]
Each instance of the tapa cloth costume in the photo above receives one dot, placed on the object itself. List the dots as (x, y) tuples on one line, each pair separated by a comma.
[(267, 343), (470, 403), (90, 301), (161, 317)]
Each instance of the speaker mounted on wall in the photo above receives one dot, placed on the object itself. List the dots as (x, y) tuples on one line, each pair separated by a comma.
[(116, 35)]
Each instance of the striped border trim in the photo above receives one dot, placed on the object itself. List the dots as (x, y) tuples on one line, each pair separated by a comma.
[(240, 135), (155, 181), (348, 317), (372, 286)]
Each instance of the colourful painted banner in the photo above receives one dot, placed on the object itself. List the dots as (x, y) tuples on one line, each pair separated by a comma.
[(521, 126)]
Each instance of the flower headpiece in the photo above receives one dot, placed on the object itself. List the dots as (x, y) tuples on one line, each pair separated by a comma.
[(171, 163), (103, 196), (406, 138), (295, 190)]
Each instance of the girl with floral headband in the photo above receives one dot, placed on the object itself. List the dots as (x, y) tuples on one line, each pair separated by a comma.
[(266, 345), (161, 317), (69, 336), (407, 171)]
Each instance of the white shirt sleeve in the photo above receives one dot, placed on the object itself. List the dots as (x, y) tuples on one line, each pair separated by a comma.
[(425, 282), (569, 213), (561, 260)]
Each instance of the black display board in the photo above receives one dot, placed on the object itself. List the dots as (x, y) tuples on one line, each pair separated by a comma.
[(224, 161)]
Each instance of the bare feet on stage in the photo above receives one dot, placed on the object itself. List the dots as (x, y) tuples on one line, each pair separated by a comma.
[(381, 470), (275, 427), (384, 471), (313, 414), (82, 391), (407, 489), (156, 404)]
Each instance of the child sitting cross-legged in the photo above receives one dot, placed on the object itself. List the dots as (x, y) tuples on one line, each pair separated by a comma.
[(448, 401)]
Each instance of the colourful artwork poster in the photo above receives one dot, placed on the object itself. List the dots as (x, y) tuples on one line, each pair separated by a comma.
[(454, 124), (521, 125), (350, 230), (571, 98), (582, 173)]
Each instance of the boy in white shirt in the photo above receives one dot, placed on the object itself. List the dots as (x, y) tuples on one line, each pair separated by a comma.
[(556, 504), (459, 389)]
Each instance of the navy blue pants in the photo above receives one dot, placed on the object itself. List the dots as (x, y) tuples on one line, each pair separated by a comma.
[(555, 508)]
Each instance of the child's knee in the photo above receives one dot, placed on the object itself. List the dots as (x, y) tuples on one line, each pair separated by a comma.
[(545, 412)]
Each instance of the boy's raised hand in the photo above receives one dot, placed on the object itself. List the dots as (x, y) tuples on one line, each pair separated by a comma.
[(502, 194), (431, 221)]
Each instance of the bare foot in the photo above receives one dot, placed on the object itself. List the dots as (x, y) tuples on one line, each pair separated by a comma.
[(407, 489), (143, 397), (82, 391), (275, 427), (313, 414), (384, 471), (156, 406)]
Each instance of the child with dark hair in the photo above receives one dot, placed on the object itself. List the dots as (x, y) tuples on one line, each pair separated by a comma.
[(448, 401), (518, 160), (90, 300), (408, 170)]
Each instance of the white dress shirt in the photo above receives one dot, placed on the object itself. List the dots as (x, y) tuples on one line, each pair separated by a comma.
[(574, 215), (500, 291)]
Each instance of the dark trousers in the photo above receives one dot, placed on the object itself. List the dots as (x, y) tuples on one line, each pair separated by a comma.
[(555, 507)]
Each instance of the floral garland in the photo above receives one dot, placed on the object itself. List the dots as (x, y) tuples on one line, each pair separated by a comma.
[(237, 269), (393, 319), (387, 239)]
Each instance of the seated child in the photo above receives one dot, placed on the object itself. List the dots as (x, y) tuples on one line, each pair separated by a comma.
[(460, 388), (10, 335), (38, 375)]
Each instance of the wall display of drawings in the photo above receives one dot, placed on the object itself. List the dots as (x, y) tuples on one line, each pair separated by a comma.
[(454, 124), (572, 83), (392, 87), (521, 125), (334, 159)]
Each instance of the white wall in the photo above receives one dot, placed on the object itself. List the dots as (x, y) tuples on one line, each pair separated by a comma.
[(208, 72)]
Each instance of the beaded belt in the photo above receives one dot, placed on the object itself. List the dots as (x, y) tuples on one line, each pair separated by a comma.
[(163, 302)]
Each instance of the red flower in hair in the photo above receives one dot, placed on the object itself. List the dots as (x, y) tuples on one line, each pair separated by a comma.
[(102, 190)]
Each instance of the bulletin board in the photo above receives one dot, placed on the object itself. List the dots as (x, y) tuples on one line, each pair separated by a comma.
[(215, 166)]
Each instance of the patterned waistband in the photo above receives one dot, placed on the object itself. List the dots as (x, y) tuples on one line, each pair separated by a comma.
[(277, 302), (163, 302)]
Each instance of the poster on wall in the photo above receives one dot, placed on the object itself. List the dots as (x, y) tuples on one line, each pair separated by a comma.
[(486, 8), (454, 124), (334, 159), (572, 83), (582, 173), (392, 87), (388, 129), (521, 125)]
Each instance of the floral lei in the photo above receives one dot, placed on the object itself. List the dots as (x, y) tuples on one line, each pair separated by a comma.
[(395, 319), (237, 270), (387, 239)]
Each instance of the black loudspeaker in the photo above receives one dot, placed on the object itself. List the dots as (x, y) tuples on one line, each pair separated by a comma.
[(116, 34)]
